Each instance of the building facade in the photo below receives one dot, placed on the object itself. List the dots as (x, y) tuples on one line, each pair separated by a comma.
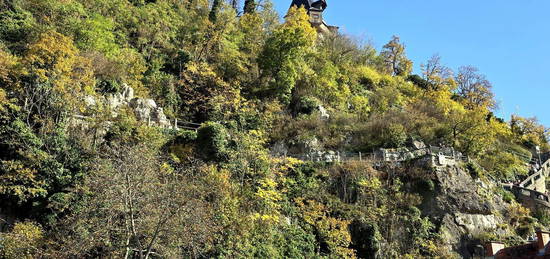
[(315, 9)]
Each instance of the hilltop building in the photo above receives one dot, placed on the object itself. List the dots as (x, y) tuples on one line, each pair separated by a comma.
[(315, 9)]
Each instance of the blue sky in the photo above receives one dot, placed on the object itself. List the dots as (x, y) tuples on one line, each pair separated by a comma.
[(508, 40)]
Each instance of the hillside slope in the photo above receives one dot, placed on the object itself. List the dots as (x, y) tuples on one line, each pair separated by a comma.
[(190, 129)]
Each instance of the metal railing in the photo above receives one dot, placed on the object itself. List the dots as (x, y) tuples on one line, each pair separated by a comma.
[(176, 125), (528, 193)]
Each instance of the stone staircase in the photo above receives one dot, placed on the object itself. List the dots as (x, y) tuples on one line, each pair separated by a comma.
[(532, 190)]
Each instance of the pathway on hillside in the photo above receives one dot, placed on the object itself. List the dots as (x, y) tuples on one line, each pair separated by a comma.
[(533, 188)]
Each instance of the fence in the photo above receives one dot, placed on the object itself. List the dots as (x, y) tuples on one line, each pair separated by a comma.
[(383, 155)]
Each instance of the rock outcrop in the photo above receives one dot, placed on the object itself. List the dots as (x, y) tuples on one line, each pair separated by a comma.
[(145, 110), (462, 213)]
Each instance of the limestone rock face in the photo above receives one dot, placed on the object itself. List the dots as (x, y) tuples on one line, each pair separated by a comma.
[(461, 211), (146, 110), (323, 113), (279, 149), (458, 192), (115, 101), (476, 223)]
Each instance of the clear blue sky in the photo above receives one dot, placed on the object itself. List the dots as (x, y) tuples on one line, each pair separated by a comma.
[(508, 40)]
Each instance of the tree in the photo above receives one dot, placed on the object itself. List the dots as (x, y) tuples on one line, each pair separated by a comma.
[(529, 131), (23, 241), (249, 6), (282, 56), (474, 88), (203, 92), (216, 5), (136, 205), (57, 78), (435, 73), (395, 59)]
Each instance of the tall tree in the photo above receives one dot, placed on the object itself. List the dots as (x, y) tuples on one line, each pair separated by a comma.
[(283, 55), (435, 73), (249, 6), (395, 59), (474, 88), (214, 11), (147, 209), (235, 5)]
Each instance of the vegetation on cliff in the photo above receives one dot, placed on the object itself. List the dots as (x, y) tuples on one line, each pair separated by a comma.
[(252, 82)]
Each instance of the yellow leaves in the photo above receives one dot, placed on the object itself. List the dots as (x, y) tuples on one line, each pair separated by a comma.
[(132, 67), (204, 93), (371, 183), (52, 55), (3, 98), (297, 23), (442, 99), (269, 198), (23, 241), (520, 219), (219, 180), (298, 18), (8, 64), (250, 23), (368, 76), (53, 60), (20, 181), (267, 191), (333, 231), (287, 164)]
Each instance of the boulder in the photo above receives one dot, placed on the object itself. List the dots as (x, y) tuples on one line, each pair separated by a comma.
[(90, 101), (476, 223), (279, 149), (323, 113), (148, 111)]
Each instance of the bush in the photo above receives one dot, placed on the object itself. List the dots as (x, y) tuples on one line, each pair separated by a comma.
[(307, 105), (543, 217), (22, 242), (395, 135), (474, 170), (212, 141), (506, 195)]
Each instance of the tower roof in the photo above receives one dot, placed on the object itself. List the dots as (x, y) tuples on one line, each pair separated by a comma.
[(310, 4)]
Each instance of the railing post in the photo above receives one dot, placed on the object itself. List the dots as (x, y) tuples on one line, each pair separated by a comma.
[(339, 160), (360, 158)]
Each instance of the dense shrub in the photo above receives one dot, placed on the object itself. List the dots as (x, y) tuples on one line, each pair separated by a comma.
[(212, 141)]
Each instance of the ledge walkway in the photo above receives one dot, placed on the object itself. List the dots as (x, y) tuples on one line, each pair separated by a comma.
[(526, 190)]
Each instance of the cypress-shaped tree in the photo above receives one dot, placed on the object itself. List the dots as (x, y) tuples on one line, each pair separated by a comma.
[(214, 11), (249, 6)]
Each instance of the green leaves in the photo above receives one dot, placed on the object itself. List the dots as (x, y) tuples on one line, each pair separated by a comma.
[(282, 57), (212, 141)]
